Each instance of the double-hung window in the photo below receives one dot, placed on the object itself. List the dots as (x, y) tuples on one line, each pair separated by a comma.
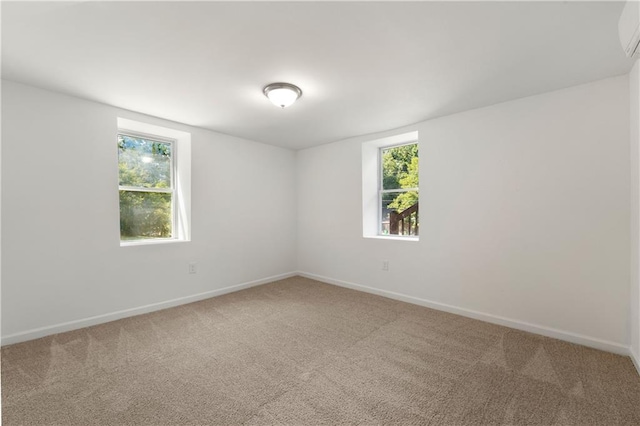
[(147, 172), (398, 190)]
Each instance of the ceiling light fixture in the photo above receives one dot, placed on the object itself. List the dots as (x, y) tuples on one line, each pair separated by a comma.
[(282, 94)]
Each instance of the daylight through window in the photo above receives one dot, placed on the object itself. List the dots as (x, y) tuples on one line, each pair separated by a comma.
[(146, 185), (398, 190)]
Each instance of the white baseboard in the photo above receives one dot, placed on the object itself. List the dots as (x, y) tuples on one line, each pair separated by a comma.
[(635, 358), (36, 333), (494, 319)]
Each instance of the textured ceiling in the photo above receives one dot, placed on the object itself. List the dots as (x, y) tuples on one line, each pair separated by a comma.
[(364, 67)]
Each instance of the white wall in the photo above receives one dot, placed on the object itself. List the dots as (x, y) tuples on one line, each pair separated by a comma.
[(524, 215), (634, 90), (61, 257)]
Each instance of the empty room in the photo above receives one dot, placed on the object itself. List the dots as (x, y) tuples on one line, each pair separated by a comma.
[(305, 213)]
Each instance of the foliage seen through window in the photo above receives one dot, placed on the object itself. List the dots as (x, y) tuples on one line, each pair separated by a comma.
[(399, 190), (145, 170)]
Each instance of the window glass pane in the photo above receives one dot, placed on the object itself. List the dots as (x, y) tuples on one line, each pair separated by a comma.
[(145, 215), (400, 213), (400, 167), (144, 163), (399, 209)]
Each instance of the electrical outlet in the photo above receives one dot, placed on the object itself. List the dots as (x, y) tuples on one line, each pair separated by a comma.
[(385, 265), (193, 268)]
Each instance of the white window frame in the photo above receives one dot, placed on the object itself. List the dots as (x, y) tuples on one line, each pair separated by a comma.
[(180, 178), (372, 181), (382, 191), (172, 165)]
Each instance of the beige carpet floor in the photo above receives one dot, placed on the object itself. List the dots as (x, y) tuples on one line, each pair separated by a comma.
[(299, 352)]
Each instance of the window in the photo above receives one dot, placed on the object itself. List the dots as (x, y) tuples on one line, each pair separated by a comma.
[(154, 182), (398, 190), (147, 188), (390, 184)]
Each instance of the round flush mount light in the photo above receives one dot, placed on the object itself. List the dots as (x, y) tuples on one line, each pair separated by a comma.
[(282, 94)]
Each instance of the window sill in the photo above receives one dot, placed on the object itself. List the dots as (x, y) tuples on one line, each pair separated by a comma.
[(392, 237), (149, 242)]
